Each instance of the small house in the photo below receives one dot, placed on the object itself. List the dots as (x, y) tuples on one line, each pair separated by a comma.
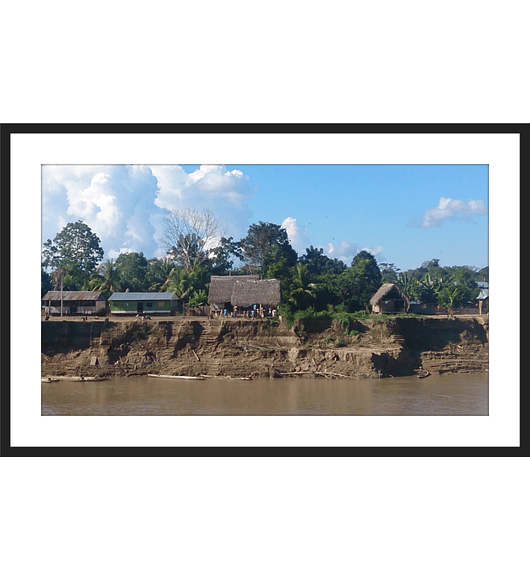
[(256, 293), (221, 289), (74, 302), (389, 298), (143, 303)]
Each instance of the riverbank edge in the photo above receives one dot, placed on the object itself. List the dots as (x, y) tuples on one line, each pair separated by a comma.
[(371, 348)]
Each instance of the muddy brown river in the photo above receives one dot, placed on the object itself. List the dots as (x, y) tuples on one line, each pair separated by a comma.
[(449, 394)]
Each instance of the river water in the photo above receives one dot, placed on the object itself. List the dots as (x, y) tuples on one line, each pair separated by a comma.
[(449, 394)]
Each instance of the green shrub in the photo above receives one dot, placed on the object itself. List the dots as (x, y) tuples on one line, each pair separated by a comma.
[(347, 319), (311, 314), (381, 317), (340, 343), (286, 312)]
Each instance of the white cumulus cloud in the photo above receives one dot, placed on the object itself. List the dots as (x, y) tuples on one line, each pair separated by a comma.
[(124, 205), (297, 234), (95, 205), (113, 254), (449, 208), (376, 250), (345, 251), (224, 193)]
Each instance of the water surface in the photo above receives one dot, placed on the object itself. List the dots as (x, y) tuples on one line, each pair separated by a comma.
[(449, 394)]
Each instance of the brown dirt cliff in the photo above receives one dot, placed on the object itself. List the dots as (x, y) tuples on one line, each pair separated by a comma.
[(261, 348)]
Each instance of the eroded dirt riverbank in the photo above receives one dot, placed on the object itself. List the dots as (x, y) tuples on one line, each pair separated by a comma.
[(256, 348)]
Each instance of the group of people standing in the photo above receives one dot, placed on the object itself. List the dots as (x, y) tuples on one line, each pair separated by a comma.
[(257, 311)]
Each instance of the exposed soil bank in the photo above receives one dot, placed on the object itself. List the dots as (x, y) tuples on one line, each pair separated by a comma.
[(247, 348)]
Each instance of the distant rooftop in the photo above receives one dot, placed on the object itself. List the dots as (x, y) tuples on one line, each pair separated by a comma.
[(73, 295), (151, 296)]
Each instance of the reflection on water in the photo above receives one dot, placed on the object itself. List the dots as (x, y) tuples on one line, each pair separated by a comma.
[(435, 395)]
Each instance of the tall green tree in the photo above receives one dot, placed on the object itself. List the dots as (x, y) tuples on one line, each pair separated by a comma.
[(76, 249), (320, 265), (389, 273), (366, 277), (428, 265), (259, 240), (341, 290), (278, 262), (132, 270), (222, 257)]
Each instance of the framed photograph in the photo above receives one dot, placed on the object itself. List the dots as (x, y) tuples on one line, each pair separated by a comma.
[(262, 289)]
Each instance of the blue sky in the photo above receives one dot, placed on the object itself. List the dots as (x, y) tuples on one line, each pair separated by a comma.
[(403, 214)]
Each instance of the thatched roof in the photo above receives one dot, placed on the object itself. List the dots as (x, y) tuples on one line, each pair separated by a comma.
[(388, 292), (221, 287), (249, 292)]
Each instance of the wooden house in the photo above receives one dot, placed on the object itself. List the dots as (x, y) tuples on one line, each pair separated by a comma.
[(74, 302), (389, 298), (143, 303)]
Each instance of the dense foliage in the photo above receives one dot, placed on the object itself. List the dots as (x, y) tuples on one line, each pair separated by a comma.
[(313, 285), (74, 253)]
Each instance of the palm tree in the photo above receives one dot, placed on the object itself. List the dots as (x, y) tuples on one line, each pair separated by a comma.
[(107, 280), (434, 284), (198, 298), (449, 294), (180, 281), (406, 283), (301, 288), (158, 272)]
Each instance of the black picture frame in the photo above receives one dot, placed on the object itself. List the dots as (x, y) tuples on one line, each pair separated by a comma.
[(8, 450)]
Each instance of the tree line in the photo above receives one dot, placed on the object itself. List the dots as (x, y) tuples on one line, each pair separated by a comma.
[(311, 283)]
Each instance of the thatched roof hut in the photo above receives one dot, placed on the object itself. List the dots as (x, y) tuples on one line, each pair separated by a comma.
[(221, 288), (389, 298), (249, 292)]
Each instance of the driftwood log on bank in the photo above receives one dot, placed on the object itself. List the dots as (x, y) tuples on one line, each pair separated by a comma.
[(174, 377), (73, 379), (320, 373)]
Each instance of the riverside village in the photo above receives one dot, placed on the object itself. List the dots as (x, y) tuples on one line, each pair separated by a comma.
[(264, 290), (277, 315)]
